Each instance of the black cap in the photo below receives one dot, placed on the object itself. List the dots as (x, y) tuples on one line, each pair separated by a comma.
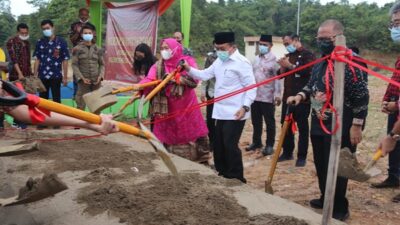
[(266, 38), (224, 37)]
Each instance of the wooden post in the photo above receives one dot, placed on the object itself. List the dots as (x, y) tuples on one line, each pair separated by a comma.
[(338, 97)]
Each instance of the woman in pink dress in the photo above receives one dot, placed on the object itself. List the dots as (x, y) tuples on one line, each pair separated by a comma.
[(186, 133)]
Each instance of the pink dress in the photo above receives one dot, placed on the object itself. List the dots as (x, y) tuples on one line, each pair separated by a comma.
[(184, 128)]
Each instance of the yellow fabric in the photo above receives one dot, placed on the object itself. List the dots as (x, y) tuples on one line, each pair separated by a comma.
[(3, 59)]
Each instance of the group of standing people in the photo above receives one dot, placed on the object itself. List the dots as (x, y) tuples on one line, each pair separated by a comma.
[(51, 55), (226, 71)]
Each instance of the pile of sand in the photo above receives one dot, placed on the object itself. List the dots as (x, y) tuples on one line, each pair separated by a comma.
[(88, 154), (164, 200)]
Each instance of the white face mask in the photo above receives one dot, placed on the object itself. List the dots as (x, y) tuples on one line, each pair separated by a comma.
[(166, 54), (83, 21), (24, 38)]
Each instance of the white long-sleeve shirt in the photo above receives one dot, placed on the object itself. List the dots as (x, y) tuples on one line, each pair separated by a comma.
[(231, 75)]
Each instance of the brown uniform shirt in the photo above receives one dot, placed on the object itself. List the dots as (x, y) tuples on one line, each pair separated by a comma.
[(87, 62)]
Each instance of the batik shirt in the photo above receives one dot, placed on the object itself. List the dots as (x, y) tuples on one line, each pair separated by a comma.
[(51, 54), (265, 67), (356, 98)]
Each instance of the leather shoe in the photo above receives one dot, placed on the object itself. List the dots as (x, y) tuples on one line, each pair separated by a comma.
[(342, 216), (317, 203), (252, 147), (300, 162), (396, 198), (284, 157), (268, 150), (390, 182)]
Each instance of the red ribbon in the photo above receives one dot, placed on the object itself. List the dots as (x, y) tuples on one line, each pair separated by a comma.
[(177, 77), (292, 122)]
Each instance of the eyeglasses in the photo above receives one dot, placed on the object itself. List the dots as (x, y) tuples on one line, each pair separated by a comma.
[(325, 38), (394, 24), (262, 44)]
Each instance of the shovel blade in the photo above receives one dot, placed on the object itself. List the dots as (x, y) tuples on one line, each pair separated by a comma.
[(18, 149), (268, 187), (350, 168), (161, 151), (36, 190)]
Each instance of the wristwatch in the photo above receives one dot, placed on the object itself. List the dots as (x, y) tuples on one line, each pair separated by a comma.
[(394, 136), (246, 108)]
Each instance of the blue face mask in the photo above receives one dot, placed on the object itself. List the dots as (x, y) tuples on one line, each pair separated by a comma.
[(223, 55), (263, 49), (47, 32), (290, 48), (87, 37), (395, 33)]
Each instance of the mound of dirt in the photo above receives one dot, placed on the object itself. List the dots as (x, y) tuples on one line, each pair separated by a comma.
[(350, 167), (89, 154), (101, 174), (165, 200)]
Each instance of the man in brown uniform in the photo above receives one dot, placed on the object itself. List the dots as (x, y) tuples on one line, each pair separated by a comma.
[(88, 65)]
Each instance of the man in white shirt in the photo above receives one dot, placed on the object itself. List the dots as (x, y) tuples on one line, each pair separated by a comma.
[(232, 71)]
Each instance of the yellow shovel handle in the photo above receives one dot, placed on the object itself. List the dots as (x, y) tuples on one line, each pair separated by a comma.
[(377, 155), (136, 87), (133, 98), (88, 117), (160, 86)]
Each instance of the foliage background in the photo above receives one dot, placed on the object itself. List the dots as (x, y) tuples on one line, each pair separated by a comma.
[(366, 24)]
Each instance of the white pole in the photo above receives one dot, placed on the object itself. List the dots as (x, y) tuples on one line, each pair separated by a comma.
[(298, 17)]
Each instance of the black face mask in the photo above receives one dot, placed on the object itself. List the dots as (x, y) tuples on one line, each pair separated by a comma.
[(326, 47), (139, 58)]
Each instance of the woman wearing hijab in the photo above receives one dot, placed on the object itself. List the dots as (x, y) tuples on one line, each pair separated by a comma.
[(184, 134)]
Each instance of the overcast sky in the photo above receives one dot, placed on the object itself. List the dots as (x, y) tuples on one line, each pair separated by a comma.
[(19, 7)]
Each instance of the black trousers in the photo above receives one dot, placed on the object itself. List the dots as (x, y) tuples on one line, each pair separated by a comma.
[(55, 86), (227, 155), (394, 156), (321, 148), (300, 114), (260, 110), (210, 122)]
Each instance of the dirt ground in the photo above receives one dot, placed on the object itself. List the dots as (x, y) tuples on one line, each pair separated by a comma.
[(367, 205)]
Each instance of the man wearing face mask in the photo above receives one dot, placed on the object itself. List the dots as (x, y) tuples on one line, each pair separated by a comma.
[(87, 65), (51, 64), (355, 109), (390, 107), (297, 56), (75, 35), (20, 54), (268, 95), (232, 72), (75, 32)]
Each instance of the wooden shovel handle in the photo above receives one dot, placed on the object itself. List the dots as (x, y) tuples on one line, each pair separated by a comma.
[(275, 158), (136, 87), (88, 117)]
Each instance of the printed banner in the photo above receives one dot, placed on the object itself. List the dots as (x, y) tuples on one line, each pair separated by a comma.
[(127, 26)]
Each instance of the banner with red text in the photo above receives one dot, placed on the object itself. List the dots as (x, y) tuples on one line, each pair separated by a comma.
[(127, 26)]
